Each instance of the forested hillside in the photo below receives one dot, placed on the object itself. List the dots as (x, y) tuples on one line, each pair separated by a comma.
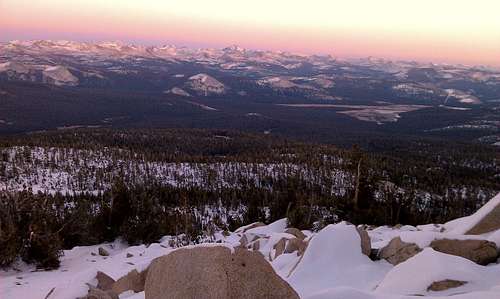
[(84, 186)]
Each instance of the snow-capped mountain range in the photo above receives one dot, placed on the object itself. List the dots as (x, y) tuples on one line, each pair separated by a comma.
[(118, 50), (232, 57), (70, 63)]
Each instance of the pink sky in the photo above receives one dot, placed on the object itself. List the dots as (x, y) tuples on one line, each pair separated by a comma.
[(429, 30)]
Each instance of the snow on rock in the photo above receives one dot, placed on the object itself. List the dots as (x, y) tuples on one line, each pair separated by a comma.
[(277, 226), (206, 84), (179, 91), (59, 75), (244, 228), (277, 82), (414, 276), (268, 245), (16, 67), (351, 293), (462, 96), (424, 239), (464, 224), (285, 263), (347, 293), (334, 259), (324, 83), (495, 238)]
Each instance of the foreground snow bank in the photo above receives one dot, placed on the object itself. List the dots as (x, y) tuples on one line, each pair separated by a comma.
[(78, 266), (414, 276), (333, 259), (332, 265)]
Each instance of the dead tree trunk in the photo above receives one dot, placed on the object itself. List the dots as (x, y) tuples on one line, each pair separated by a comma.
[(356, 191)]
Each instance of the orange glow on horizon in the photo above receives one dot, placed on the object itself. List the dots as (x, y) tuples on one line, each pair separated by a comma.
[(428, 30)]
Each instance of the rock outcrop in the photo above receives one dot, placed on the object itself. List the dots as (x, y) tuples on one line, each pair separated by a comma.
[(205, 84), (59, 75), (214, 272)]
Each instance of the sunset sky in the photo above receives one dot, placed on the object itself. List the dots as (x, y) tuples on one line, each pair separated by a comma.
[(455, 31)]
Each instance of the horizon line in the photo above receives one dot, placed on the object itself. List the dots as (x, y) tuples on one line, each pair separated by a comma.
[(229, 45)]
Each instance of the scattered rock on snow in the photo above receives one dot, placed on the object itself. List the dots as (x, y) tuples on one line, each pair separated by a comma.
[(366, 245), (255, 245), (103, 252), (214, 272), (446, 284), (95, 293), (279, 248), (245, 240), (296, 244), (133, 281), (243, 229), (398, 251), (296, 232), (481, 252), (104, 281)]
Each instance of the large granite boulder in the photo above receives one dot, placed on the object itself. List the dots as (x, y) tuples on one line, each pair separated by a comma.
[(481, 252), (214, 272)]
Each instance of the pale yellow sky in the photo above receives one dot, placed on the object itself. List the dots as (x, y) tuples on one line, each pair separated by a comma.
[(438, 30)]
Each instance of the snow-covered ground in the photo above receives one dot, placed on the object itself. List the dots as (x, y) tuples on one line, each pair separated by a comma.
[(332, 266), (71, 171)]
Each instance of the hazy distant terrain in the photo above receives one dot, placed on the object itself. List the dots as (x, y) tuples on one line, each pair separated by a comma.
[(60, 84)]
